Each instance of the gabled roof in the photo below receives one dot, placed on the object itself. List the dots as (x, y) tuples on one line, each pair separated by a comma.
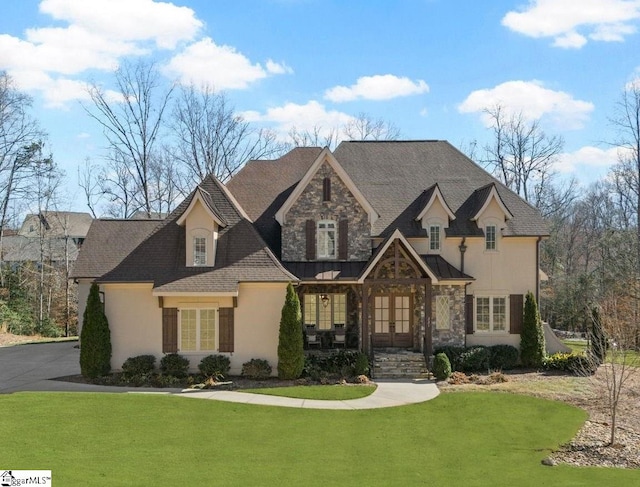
[(430, 195), (202, 196), (157, 254), (486, 195), (57, 224), (325, 157)]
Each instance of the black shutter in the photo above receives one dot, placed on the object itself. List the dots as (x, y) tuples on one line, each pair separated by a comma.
[(343, 240), (311, 239), (169, 330), (226, 330), (469, 313), (516, 313)]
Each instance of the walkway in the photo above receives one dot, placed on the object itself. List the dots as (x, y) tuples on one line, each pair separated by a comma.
[(389, 393)]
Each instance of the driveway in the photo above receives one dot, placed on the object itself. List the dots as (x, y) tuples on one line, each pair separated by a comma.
[(31, 368)]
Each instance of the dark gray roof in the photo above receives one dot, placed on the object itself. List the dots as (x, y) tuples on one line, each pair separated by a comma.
[(443, 270), (262, 187), (325, 270), (158, 255), (393, 174)]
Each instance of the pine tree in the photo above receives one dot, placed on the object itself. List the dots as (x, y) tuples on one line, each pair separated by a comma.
[(532, 336), (95, 338), (290, 341)]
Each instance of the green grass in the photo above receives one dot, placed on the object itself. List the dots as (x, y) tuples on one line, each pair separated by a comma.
[(469, 439), (328, 393), (578, 346)]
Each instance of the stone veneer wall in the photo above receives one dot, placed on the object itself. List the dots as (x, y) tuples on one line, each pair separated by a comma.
[(456, 334), (309, 206)]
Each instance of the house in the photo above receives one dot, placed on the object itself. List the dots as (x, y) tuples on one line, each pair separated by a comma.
[(396, 245)]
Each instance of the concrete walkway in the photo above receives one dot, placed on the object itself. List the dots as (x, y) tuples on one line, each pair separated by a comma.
[(389, 393)]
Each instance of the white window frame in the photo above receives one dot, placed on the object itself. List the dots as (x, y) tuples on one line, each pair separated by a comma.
[(199, 255), (435, 244), (198, 331), (492, 318), (491, 245), (324, 230), (325, 318), (443, 313)]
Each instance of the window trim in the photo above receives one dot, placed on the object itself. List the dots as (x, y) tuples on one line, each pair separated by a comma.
[(491, 329), (320, 233), (438, 242), (202, 252), (437, 307), (487, 241), (216, 329), (319, 309)]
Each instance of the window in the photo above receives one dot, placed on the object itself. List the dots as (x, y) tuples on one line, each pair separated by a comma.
[(324, 311), (491, 314), (327, 239), (442, 313), (197, 330), (199, 251), (490, 237), (434, 237)]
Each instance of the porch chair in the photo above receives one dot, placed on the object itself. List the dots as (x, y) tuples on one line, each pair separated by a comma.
[(313, 340), (339, 337)]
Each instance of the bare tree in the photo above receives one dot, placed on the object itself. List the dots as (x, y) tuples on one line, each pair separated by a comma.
[(521, 155), (213, 139), (314, 137), (89, 182), (132, 122), (365, 127)]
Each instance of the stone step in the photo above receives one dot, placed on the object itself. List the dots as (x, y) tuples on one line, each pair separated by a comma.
[(398, 364)]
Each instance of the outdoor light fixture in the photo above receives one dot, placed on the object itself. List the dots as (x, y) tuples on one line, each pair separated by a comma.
[(325, 300)]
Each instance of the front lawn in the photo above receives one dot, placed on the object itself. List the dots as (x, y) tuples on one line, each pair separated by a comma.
[(336, 392), (141, 439)]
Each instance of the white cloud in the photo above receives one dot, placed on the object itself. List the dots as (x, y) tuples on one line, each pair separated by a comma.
[(278, 68), (587, 158), (377, 87), (531, 99), (305, 117), (598, 20), (128, 20), (224, 68)]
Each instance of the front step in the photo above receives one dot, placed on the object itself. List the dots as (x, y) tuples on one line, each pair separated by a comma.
[(399, 364)]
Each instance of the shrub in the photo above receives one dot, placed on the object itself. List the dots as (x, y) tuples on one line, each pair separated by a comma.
[(503, 357), (95, 339), (142, 364), (361, 365), (532, 336), (475, 359), (290, 339), (344, 363), (453, 353), (441, 366), (256, 368), (576, 363), (216, 366), (174, 365)]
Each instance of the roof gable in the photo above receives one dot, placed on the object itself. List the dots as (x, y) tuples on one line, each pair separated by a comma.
[(204, 198), (433, 194), (486, 195), (325, 157)]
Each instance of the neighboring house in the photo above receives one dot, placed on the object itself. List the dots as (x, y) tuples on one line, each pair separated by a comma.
[(57, 224), (406, 245)]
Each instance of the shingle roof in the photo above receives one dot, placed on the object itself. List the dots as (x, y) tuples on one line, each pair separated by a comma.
[(443, 270), (261, 188), (17, 248), (157, 254), (326, 270), (57, 224)]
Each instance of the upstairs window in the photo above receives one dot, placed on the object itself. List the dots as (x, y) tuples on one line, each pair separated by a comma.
[(199, 251), (490, 237), (434, 237), (326, 239)]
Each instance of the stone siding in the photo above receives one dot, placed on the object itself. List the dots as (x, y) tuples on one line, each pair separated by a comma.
[(310, 206), (455, 335)]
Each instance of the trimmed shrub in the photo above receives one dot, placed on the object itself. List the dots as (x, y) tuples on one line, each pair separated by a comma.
[(361, 365), (532, 336), (344, 363), (95, 339), (174, 365), (441, 366), (453, 353), (139, 365), (575, 363), (503, 357), (256, 368), (290, 339), (475, 359), (216, 366)]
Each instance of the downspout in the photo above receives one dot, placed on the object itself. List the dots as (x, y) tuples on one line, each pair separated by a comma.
[(538, 271), (463, 248)]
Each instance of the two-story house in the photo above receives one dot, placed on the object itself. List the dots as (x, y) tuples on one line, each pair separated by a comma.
[(406, 245)]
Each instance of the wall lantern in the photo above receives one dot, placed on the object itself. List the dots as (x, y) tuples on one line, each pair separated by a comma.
[(325, 300)]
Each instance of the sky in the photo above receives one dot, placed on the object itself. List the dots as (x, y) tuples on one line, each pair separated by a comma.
[(430, 67)]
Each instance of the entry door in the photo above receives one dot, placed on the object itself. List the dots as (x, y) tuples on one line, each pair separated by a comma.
[(392, 323)]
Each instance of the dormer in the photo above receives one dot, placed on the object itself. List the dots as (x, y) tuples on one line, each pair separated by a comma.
[(491, 215), (202, 222), (434, 217)]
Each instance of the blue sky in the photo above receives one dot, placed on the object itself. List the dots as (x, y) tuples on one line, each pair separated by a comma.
[(427, 66)]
